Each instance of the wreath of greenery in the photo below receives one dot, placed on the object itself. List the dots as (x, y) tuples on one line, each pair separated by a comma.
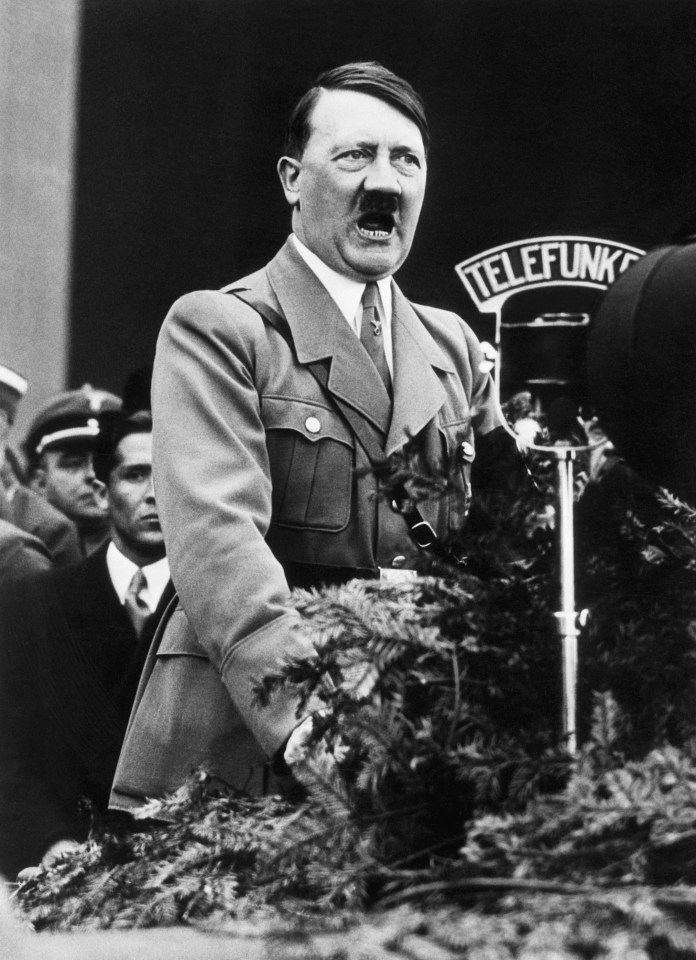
[(436, 766)]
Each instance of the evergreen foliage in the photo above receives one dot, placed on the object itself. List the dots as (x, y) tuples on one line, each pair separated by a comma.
[(436, 766), (433, 692), (615, 822), (638, 547)]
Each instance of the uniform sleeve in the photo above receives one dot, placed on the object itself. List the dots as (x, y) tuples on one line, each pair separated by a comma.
[(62, 539), (484, 400), (213, 491), (499, 465), (21, 554)]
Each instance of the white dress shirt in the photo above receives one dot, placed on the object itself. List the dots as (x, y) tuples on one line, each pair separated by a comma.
[(347, 294), (122, 570)]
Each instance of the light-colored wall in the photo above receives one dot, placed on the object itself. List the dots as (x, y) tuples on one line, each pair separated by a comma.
[(39, 48)]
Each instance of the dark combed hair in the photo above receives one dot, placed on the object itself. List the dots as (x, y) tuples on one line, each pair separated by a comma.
[(113, 427), (368, 77)]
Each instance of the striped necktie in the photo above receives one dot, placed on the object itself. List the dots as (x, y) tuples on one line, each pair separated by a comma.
[(135, 606), (371, 335)]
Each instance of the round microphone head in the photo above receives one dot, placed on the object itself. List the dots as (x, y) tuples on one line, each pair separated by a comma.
[(641, 366)]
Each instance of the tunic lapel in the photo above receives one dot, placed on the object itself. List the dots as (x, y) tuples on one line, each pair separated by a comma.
[(319, 331), (418, 392)]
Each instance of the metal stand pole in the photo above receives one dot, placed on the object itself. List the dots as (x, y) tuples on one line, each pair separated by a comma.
[(567, 617), (568, 620)]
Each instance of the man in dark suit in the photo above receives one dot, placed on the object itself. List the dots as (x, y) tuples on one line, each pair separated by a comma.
[(74, 642), (263, 470)]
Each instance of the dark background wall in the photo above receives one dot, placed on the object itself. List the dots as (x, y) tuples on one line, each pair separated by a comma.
[(548, 117)]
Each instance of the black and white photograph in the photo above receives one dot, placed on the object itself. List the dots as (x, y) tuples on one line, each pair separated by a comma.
[(348, 479)]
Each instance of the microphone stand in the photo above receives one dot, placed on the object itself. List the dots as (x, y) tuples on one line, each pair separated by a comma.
[(568, 619)]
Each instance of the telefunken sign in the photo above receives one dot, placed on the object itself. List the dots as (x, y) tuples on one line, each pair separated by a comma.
[(494, 275)]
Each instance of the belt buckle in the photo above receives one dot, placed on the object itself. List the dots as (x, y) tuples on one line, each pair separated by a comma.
[(396, 576)]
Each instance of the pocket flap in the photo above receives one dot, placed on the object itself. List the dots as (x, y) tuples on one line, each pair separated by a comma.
[(312, 420), (179, 639)]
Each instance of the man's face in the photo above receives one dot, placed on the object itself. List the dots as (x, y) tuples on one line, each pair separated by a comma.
[(357, 192), (130, 498), (66, 478)]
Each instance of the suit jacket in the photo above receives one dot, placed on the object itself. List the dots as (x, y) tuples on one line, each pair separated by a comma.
[(31, 513), (261, 486), (69, 667)]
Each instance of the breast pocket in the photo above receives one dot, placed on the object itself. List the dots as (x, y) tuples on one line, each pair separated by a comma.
[(311, 454)]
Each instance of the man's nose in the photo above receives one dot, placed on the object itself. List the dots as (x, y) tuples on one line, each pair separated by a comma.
[(381, 177), (150, 489)]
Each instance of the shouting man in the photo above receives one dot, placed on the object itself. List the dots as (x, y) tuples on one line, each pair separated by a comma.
[(270, 398)]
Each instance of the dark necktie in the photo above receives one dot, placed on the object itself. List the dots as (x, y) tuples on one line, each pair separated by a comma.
[(136, 608), (371, 335)]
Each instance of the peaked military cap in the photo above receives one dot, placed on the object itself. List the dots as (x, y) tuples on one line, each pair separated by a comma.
[(69, 417), (13, 386)]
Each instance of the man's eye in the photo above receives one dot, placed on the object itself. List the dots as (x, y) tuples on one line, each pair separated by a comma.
[(408, 160), (353, 156)]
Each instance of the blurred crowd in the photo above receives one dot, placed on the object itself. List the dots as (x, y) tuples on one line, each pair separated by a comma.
[(83, 582)]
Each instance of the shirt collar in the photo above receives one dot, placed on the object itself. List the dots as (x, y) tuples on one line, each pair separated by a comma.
[(345, 292), (121, 571)]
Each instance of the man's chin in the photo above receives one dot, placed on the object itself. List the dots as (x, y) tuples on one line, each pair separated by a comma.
[(87, 519), (152, 539), (150, 548), (373, 261)]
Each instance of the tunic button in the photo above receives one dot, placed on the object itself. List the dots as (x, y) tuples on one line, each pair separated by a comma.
[(398, 562), (467, 450), (312, 425)]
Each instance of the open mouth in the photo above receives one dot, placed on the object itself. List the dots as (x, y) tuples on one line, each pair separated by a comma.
[(376, 226)]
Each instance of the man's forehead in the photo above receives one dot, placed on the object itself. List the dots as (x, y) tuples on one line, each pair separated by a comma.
[(341, 114), (135, 448)]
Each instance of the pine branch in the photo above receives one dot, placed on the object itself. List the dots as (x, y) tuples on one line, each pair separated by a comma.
[(480, 885)]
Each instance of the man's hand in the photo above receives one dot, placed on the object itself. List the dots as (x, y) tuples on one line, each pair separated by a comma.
[(296, 747), (298, 750)]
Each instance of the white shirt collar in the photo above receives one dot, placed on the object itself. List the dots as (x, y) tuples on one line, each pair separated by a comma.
[(121, 571), (346, 293)]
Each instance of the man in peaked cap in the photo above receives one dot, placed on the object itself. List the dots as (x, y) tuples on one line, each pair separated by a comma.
[(26, 517), (59, 448)]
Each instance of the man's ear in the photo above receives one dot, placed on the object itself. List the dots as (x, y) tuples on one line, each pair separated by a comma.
[(37, 481), (101, 494), (289, 171)]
